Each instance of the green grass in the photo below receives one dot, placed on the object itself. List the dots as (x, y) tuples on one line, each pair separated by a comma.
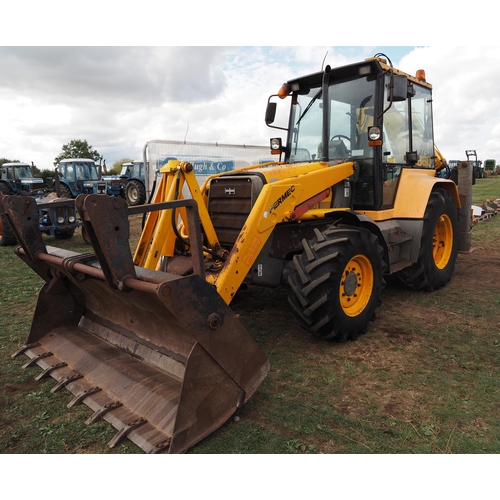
[(424, 379), (486, 189)]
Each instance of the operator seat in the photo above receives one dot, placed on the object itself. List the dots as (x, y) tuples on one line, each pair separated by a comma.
[(338, 149)]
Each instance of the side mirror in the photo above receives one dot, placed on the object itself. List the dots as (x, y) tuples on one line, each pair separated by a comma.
[(270, 112), (397, 90), (412, 158)]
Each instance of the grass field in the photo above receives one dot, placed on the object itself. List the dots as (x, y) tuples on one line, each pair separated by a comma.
[(425, 379)]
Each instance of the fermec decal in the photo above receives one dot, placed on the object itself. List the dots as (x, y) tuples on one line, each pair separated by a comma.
[(281, 199), (252, 251)]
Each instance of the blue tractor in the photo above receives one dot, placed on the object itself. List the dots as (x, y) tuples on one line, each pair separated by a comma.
[(57, 217), (17, 179), (132, 176), (82, 176)]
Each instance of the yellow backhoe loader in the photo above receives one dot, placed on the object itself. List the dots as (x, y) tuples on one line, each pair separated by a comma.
[(148, 341)]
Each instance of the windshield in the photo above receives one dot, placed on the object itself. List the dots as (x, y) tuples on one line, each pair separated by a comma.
[(127, 169), (82, 171), (397, 137), (86, 171), (138, 170), (25, 172), (17, 172), (351, 113)]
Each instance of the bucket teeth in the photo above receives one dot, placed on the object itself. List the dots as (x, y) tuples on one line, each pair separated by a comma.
[(162, 446), (78, 399), (101, 412), (49, 370), (125, 430), (24, 348), (36, 358), (64, 382)]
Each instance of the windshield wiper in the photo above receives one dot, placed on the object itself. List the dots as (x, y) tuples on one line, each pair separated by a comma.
[(308, 107)]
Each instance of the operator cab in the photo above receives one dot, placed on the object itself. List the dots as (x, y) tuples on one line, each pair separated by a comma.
[(368, 113)]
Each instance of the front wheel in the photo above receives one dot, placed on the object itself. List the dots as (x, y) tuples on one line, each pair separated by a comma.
[(338, 281), (438, 245), (64, 235)]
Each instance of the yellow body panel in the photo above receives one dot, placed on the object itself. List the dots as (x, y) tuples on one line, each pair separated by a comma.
[(412, 196), (285, 171)]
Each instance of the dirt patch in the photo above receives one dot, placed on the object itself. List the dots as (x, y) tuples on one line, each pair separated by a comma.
[(13, 389), (386, 372)]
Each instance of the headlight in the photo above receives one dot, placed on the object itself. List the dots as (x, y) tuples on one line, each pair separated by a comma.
[(374, 133), (276, 146), (71, 219), (60, 220), (374, 136)]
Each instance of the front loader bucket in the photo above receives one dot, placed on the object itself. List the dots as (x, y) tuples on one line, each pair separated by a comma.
[(160, 357)]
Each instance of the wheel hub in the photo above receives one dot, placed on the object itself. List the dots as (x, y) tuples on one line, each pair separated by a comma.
[(350, 283), (442, 242), (356, 286)]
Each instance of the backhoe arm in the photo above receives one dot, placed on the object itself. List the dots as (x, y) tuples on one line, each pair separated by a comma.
[(158, 236)]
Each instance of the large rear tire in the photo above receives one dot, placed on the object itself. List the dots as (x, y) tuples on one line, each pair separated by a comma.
[(5, 189), (7, 237), (438, 247), (135, 193), (338, 281), (65, 191)]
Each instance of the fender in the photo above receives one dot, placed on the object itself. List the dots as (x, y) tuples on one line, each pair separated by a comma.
[(360, 220), (413, 192)]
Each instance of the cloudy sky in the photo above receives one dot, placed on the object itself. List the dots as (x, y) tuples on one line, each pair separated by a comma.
[(120, 97)]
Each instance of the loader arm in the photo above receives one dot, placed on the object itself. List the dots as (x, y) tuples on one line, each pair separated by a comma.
[(276, 203), (439, 161), (291, 195)]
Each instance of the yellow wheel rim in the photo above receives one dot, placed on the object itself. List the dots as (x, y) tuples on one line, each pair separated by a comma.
[(356, 285), (442, 242)]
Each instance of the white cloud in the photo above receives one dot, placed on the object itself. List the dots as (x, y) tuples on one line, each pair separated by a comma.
[(119, 98), (465, 97)]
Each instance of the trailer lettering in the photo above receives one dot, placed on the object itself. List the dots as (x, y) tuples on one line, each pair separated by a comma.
[(281, 199)]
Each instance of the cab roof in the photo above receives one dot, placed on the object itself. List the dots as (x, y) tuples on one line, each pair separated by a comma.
[(371, 66)]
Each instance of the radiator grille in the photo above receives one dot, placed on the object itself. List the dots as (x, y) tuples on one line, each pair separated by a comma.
[(230, 200)]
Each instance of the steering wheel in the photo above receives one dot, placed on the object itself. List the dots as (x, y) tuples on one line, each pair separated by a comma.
[(340, 136)]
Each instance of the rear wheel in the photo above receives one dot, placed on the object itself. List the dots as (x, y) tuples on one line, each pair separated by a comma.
[(5, 189), (135, 193), (65, 191), (7, 237), (438, 247), (338, 282)]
